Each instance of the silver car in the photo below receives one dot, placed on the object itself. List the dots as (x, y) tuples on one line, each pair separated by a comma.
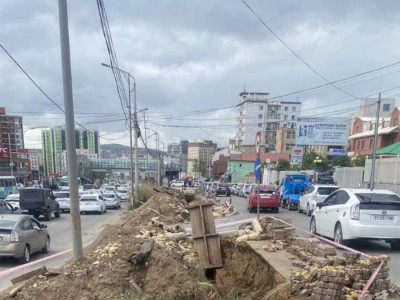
[(21, 236), (112, 200)]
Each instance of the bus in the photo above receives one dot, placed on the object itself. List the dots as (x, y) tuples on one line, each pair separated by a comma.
[(8, 185), (63, 183)]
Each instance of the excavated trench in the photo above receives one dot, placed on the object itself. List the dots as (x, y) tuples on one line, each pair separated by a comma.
[(246, 275)]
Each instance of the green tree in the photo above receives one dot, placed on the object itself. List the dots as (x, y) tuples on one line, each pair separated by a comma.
[(341, 161), (308, 161), (283, 165), (358, 161)]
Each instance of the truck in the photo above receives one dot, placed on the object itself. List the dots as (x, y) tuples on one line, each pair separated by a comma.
[(292, 187)]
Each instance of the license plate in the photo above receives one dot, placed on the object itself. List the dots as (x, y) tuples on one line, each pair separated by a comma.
[(23, 210), (382, 218)]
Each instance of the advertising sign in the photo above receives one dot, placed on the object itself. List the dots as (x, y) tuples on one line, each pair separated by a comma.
[(35, 174), (322, 131), (22, 153), (5, 152), (297, 155), (342, 152)]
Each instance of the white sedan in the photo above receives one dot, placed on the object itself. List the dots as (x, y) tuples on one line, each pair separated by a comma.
[(92, 203), (13, 199), (349, 214), (314, 194), (123, 194), (64, 200)]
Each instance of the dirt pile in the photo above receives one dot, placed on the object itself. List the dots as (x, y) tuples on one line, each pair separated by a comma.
[(145, 256)]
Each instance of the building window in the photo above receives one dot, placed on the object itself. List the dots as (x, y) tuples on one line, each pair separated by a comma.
[(286, 108), (358, 145), (261, 107), (260, 116), (370, 143), (293, 117), (395, 122), (357, 129), (386, 107), (259, 125), (290, 135), (289, 147), (362, 145), (294, 108), (286, 117)]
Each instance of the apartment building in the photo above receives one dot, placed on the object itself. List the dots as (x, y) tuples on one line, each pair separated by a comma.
[(255, 113), (54, 144), (36, 158), (200, 154), (180, 151), (285, 140)]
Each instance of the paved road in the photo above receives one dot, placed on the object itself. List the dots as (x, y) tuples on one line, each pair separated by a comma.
[(230, 224), (61, 239)]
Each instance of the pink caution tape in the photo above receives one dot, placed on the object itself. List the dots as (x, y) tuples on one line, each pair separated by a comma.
[(25, 266), (374, 274)]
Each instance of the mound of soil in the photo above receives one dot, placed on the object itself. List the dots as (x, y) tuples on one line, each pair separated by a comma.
[(110, 269)]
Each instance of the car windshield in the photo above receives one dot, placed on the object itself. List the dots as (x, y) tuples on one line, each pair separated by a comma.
[(298, 179), (123, 192), (4, 207), (372, 197), (326, 190), (7, 223), (12, 198), (109, 196), (265, 189), (88, 199), (61, 195)]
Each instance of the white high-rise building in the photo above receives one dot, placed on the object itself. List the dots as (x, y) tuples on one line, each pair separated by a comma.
[(255, 113)]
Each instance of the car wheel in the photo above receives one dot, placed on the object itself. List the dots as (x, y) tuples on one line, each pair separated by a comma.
[(313, 226), (36, 215), (338, 237), (308, 211), (57, 213), (276, 210), (46, 248), (395, 244), (27, 254), (47, 214)]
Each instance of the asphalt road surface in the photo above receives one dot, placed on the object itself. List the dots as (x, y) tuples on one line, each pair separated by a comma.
[(61, 239), (231, 224)]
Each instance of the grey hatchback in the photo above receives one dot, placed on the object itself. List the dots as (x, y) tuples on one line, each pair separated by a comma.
[(21, 236)]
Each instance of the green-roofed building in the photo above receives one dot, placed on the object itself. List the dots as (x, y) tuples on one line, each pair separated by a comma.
[(393, 149)]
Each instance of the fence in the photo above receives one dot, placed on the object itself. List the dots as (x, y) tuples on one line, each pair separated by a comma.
[(349, 177)]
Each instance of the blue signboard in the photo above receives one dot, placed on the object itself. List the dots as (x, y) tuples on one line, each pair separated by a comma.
[(257, 168), (337, 152)]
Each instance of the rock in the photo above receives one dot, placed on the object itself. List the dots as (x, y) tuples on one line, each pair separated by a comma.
[(144, 251)]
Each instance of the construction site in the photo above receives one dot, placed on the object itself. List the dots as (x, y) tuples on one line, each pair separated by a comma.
[(153, 253)]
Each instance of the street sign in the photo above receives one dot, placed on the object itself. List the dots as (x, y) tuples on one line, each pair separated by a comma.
[(258, 142), (297, 155), (257, 168), (337, 152)]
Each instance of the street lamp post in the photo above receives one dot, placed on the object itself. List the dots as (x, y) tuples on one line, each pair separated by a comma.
[(128, 78)]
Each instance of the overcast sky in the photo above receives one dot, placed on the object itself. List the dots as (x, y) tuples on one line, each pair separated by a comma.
[(195, 56)]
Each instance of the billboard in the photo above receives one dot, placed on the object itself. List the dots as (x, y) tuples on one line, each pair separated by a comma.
[(322, 131), (297, 155), (341, 152)]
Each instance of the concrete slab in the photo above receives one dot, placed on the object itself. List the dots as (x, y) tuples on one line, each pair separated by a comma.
[(280, 261)]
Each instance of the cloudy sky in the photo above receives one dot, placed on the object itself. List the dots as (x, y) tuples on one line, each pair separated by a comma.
[(191, 59)]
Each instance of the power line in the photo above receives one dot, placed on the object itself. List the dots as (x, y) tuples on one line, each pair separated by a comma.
[(293, 52), (37, 86)]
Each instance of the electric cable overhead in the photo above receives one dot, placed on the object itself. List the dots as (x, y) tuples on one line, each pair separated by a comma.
[(293, 52), (37, 86)]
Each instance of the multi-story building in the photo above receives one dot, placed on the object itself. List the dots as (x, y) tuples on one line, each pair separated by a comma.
[(200, 154), (35, 158), (255, 113), (368, 108), (285, 140), (54, 144), (180, 151), (11, 131), (12, 137), (363, 131)]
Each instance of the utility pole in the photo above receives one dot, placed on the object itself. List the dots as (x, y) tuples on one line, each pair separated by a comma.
[(372, 178), (70, 130), (147, 153), (130, 134), (158, 161), (136, 142)]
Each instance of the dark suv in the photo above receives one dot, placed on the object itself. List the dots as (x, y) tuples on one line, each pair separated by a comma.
[(223, 190), (37, 201)]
